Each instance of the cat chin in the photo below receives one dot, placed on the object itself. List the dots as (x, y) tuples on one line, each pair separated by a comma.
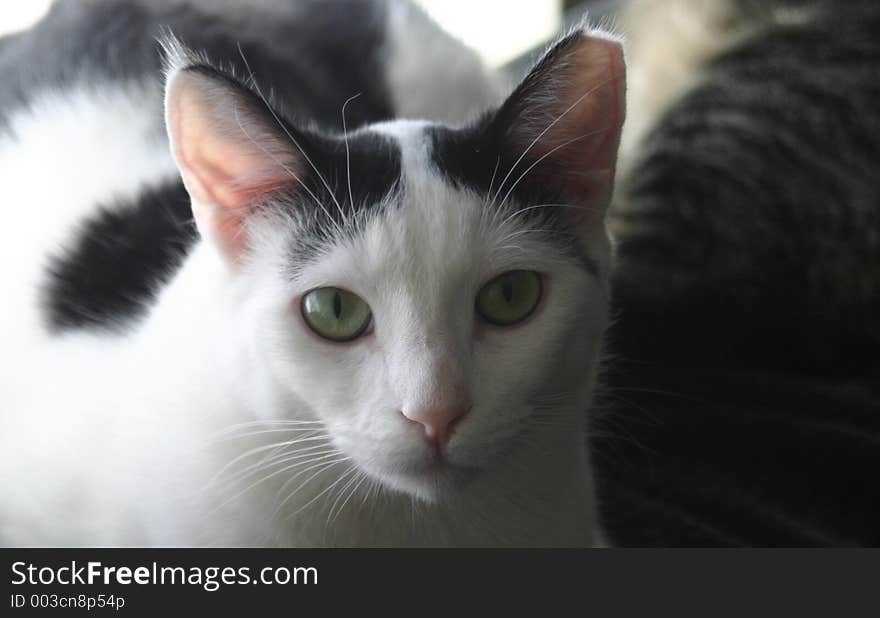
[(431, 483)]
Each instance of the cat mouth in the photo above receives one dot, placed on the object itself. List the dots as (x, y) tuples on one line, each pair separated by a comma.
[(433, 477), (424, 473)]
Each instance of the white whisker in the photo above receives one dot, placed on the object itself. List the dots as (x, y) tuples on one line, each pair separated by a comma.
[(278, 459), (354, 483), (261, 449), (276, 473), (352, 493), (292, 138), (347, 154), (547, 154), (236, 436), (550, 126), (280, 164), (321, 470), (332, 485), (492, 181), (534, 207), (270, 422)]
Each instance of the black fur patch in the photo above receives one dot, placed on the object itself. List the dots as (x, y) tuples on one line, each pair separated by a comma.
[(360, 174), (375, 175), (120, 257), (475, 158), (484, 158), (467, 156), (484, 153)]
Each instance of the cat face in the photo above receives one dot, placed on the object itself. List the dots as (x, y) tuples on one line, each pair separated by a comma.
[(430, 294), (428, 360)]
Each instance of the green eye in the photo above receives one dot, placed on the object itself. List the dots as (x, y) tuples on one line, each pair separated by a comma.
[(336, 314), (509, 298)]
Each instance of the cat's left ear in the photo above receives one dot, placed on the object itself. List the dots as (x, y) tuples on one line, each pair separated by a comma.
[(561, 126), (231, 151)]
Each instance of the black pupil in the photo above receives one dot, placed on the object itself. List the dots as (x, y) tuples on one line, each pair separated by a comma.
[(337, 305), (507, 289)]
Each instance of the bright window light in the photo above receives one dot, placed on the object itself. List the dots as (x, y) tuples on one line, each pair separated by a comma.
[(499, 30), (20, 15)]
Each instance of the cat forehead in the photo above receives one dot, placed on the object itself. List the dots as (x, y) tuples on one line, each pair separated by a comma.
[(355, 173), (430, 171), (413, 215), (426, 210), (420, 195), (412, 163), (428, 228), (434, 225)]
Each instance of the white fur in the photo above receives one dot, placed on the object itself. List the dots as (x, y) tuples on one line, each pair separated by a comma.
[(139, 438), (114, 446), (64, 154)]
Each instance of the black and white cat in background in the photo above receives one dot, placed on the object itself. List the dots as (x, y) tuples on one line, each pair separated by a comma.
[(384, 332)]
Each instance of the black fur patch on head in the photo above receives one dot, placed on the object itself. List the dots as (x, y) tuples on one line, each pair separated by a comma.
[(470, 156), (360, 176), (499, 155), (119, 258), (474, 158), (502, 151)]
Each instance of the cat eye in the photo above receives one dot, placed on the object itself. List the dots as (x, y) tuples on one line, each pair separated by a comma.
[(335, 314), (510, 297)]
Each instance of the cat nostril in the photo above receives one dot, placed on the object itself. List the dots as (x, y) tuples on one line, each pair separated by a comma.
[(436, 426)]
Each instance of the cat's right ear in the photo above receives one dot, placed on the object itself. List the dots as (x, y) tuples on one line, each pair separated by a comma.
[(231, 150)]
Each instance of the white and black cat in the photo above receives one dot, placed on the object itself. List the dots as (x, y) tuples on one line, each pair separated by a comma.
[(384, 331)]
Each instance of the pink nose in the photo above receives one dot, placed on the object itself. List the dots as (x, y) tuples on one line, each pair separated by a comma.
[(437, 423)]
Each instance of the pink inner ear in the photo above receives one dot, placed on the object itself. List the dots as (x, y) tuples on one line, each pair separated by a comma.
[(227, 156), (576, 147)]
